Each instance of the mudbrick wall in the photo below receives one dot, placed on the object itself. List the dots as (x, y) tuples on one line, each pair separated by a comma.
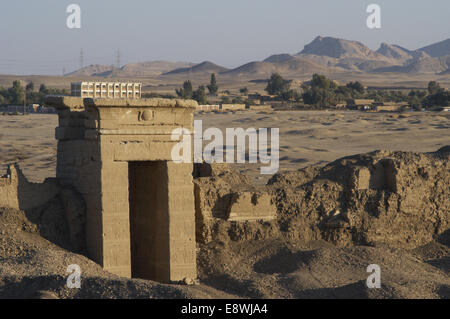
[(17, 192), (400, 199)]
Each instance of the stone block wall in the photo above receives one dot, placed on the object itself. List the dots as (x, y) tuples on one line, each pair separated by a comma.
[(140, 205), (232, 107), (262, 107), (18, 193)]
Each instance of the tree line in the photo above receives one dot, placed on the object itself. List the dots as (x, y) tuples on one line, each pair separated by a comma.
[(19, 95), (187, 91), (323, 92)]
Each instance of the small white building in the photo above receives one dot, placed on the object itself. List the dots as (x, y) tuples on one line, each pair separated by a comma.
[(107, 90)]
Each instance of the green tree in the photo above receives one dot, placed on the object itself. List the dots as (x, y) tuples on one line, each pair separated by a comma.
[(43, 89), (324, 92), (434, 87), (17, 93), (416, 98), (290, 95), (30, 87), (213, 87), (321, 82), (344, 93), (200, 95), (225, 100), (417, 93), (4, 94), (356, 86), (276, 84), (243, 91), (238, 100), (186, 91), (441, 98), (415, 103)]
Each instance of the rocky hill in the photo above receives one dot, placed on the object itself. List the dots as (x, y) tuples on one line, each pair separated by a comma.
[(437, 49), (151, 68), (421, 65), (91, 70), (204, 67), (396, 52), (322, 55), (285, 64), (339, 48)]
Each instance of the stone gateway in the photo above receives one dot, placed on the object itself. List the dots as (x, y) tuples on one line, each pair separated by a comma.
[(140, 215)]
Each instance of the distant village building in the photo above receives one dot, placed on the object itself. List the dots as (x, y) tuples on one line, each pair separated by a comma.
[(360, 104), (208, 107), (254, 96), (109, 90), (390, 107), (33, 108), (263, 107), (232, 107)]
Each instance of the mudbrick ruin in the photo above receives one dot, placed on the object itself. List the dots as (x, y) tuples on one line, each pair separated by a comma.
[(131, 209)]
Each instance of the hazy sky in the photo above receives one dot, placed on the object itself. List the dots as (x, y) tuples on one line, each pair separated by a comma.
[(36, 40)]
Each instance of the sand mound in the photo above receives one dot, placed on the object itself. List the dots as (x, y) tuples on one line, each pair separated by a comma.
[(387, 208), (33, 267), (275, 269), (395, 198)]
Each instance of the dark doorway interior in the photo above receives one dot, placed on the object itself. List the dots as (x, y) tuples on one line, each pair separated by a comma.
[(149, 224)]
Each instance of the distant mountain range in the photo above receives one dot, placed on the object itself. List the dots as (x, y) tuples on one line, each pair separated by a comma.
[(152, 68), (437, 49), (322, 55)]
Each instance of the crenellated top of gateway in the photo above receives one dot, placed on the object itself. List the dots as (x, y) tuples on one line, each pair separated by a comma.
[(107, 90)]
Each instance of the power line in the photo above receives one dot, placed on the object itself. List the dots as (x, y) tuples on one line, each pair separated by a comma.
[(50, 65)]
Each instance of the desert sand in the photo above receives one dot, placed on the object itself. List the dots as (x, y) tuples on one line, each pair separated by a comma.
[(306, 137), (292, 257), (316, 137)]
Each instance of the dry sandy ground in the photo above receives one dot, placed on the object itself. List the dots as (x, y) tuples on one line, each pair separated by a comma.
[(30, 264), (306, 137), (316, 137), (29, 140), (34, 267)]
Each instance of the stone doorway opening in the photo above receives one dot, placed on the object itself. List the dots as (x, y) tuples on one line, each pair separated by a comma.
[(149, 220)]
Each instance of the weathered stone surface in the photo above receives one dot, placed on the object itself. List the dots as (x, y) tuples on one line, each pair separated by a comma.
[(251, 206), (396, 198), (152, 102), (140, 216), (59, 102), (75, 213), (228, 207), (17, 192), (232, 107)]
